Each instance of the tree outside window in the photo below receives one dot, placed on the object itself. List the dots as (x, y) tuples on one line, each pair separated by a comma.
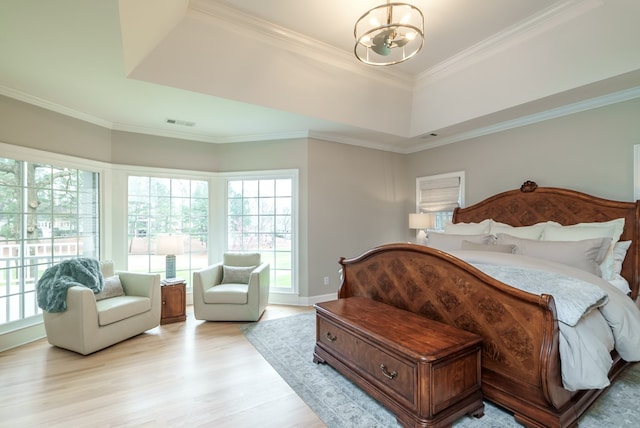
[(260, 219), (159, 207), (48, 213)]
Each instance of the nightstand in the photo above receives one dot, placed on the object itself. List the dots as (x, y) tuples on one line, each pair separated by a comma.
[(174, 306)]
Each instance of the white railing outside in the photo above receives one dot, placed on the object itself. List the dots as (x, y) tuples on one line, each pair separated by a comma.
[(20, 273)]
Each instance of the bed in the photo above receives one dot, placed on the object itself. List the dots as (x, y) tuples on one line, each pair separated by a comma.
[(521, 364)]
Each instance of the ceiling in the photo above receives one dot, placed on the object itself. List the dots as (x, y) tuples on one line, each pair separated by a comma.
[(230, 71)]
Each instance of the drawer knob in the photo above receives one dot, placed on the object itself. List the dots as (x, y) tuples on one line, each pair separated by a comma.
[(330, 337), (391, 375)]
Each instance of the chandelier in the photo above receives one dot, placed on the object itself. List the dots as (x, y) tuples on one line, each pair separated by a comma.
[(389, 34)]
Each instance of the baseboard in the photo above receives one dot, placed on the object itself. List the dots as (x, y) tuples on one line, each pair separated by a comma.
[(295, 300), (22, 336)]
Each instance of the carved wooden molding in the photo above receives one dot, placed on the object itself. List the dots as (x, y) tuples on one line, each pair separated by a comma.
[(528, 186)]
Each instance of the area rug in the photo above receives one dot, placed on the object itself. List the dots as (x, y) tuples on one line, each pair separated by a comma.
[(287, 344)]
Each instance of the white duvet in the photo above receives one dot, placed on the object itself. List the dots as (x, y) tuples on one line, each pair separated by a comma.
[(591, 323)]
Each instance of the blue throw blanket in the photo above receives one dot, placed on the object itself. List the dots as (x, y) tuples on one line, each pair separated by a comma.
[(52, 287)]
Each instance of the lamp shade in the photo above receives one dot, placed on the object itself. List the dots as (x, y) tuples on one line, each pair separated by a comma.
[(170, 245), (421, 221)]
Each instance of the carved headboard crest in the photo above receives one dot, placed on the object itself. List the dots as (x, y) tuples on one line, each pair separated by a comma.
[(528, 186)]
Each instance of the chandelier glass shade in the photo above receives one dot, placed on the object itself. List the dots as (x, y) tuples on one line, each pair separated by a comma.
[(389, 34)]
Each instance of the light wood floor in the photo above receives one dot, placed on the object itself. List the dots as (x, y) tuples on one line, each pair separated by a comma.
[(189, 374)]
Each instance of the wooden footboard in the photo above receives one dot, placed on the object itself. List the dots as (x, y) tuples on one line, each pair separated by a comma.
[(520, 357)]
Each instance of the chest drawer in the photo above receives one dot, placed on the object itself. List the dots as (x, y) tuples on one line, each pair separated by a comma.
[(377, 366)]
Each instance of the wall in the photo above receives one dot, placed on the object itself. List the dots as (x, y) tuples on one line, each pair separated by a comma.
[(356, 202), (135, 149), (163, 152), (350, 198), (591, 151), (29, 126)]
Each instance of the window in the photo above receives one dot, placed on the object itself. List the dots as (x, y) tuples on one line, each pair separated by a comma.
[(48, 213), (440, 195), (162, 210), (261, 218)]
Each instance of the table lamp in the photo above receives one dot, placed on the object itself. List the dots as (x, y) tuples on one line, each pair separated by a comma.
[(421, 222), (170, 246)]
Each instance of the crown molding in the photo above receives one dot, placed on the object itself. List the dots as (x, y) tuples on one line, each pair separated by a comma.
[(114, 126), (204, 138), (613, 98), (57, 108), (283, 38), (514, 35), (326, 136), (190, 136), (592, 103)]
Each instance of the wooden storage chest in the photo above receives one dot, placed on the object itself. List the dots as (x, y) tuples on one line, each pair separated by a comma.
[(427, 373)]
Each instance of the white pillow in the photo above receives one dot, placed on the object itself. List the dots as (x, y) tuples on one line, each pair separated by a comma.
[(619, 253), (236, 274), (508, 249), (555, 231), (481, 228), (528, 232), (112, 288), (586, 254), (451, 242), (577, 232)]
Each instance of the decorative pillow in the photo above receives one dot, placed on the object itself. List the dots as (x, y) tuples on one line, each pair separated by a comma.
[(112, 288), (236, 274), (467, 245), (619, 253), (481, 228), (528, 232), (586, 254), (450, 242), (612, 229)]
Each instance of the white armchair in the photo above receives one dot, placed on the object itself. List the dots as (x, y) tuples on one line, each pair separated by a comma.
[(88, 325), (236, 289)]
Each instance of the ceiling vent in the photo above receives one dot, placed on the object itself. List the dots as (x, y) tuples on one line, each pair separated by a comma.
[(425, 136), (180, 122)]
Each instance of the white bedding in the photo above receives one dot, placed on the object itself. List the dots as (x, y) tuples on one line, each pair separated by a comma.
[(573, 297), (585, 347)]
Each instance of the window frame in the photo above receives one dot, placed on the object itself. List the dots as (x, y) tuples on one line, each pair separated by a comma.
[(112, 211), (63, 161), (161, 175), (292, 174)]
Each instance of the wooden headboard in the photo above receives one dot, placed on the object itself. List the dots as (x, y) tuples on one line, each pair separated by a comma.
[(532, 204)]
